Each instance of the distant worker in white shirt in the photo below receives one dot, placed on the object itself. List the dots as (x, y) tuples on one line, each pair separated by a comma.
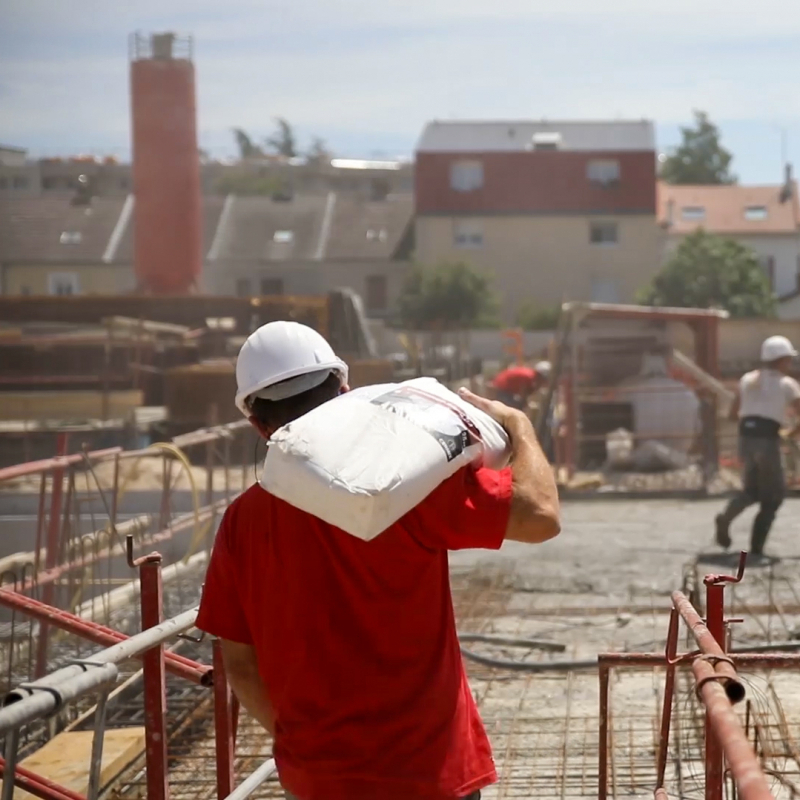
[(761, 404)]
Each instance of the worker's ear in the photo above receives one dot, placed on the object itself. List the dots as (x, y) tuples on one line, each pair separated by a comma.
[(345, 388), (263, 431)]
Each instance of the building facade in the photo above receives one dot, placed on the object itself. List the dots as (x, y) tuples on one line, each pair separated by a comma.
[(762, 218), (554, 211), (303, 245)]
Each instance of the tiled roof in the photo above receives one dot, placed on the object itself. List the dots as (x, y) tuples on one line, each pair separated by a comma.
[(728, 209), (51, 229), (306, 228), (510, 136), (368, 229), (212, 209)]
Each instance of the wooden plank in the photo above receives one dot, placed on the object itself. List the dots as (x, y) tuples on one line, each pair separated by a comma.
[(65, 758)]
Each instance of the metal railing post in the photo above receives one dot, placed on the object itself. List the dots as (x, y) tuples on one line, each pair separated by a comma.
[(223, 726), (154, 680), (51, 555)]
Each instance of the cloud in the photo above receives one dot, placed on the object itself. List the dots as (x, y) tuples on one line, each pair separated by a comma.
[(353, 70)]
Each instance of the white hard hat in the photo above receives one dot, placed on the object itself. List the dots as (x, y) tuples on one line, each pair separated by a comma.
[(543, 368), (776, 347), (278, 352)]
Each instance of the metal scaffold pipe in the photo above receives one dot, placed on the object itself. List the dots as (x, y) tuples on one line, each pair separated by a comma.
[(47, 699), (253, 781), (51, 685)]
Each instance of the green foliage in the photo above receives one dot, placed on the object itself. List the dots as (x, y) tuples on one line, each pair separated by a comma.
[(245, 144), (318, 151), (282, 141), (533, 317), (700, 158), (710, 272), (448, 296)]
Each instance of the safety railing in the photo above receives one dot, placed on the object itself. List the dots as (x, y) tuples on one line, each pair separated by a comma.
[(728, 753), (79, 572), (31, 702)]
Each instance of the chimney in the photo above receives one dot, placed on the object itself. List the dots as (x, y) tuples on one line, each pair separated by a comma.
[(670, 220), (788, 184)]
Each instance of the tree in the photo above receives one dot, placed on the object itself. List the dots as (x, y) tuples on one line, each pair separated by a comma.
[(318, 151), (710, 272), (700, 158), (448, 296), (245, 144), (533, 317), (283, 141)]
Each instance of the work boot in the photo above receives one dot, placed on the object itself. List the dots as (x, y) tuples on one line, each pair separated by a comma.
[(722, 534)]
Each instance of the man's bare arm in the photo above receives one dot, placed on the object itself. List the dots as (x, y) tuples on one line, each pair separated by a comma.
[(535, 513), (241, 668)]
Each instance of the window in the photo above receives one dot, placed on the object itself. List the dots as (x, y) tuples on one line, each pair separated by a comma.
[(755, 213), (768, 265), (466, 176), (604, 172), (377, 235), (546, 140), (3, 183), (376, 291), (603, 233), (63, 283), (271, 286), (50, 183), (70, 237), (283, 237), (20, 183), (243, 287), (467, 233), (691, 213), (605, 290)]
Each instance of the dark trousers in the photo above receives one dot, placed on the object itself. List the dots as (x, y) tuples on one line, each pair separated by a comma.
[(763, 483)]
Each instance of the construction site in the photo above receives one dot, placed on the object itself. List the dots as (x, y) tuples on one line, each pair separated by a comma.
[(630, 657)]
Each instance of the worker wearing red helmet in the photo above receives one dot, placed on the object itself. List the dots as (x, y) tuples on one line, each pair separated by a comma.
[(514, 385), (346, 651)]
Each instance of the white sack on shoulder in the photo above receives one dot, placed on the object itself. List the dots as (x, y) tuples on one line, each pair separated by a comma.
[(363, 460)]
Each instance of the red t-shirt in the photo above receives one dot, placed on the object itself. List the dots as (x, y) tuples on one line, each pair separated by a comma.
[(356, 641), (515, 380)]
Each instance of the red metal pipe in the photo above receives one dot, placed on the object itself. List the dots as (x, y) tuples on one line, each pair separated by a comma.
[(39, 786), (708, 643), (51, 554), (223, 725), (750, 780), (154, 682), (744, 660), (99, 634), (715, 622), (669, 692), (186, 521), (57, 462), (602, 784)]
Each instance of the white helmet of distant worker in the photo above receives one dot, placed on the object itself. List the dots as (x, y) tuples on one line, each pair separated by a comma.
[(284, 359), (776, 347), (543, 368)]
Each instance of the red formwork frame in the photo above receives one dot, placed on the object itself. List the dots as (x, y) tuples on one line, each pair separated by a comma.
[(157, 661), (718, 687)]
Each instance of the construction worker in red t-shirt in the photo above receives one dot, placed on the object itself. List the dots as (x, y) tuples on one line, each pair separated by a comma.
[(346, 650), (515, 385)]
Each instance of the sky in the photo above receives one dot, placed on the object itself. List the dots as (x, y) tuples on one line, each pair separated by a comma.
[(366, 75)]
